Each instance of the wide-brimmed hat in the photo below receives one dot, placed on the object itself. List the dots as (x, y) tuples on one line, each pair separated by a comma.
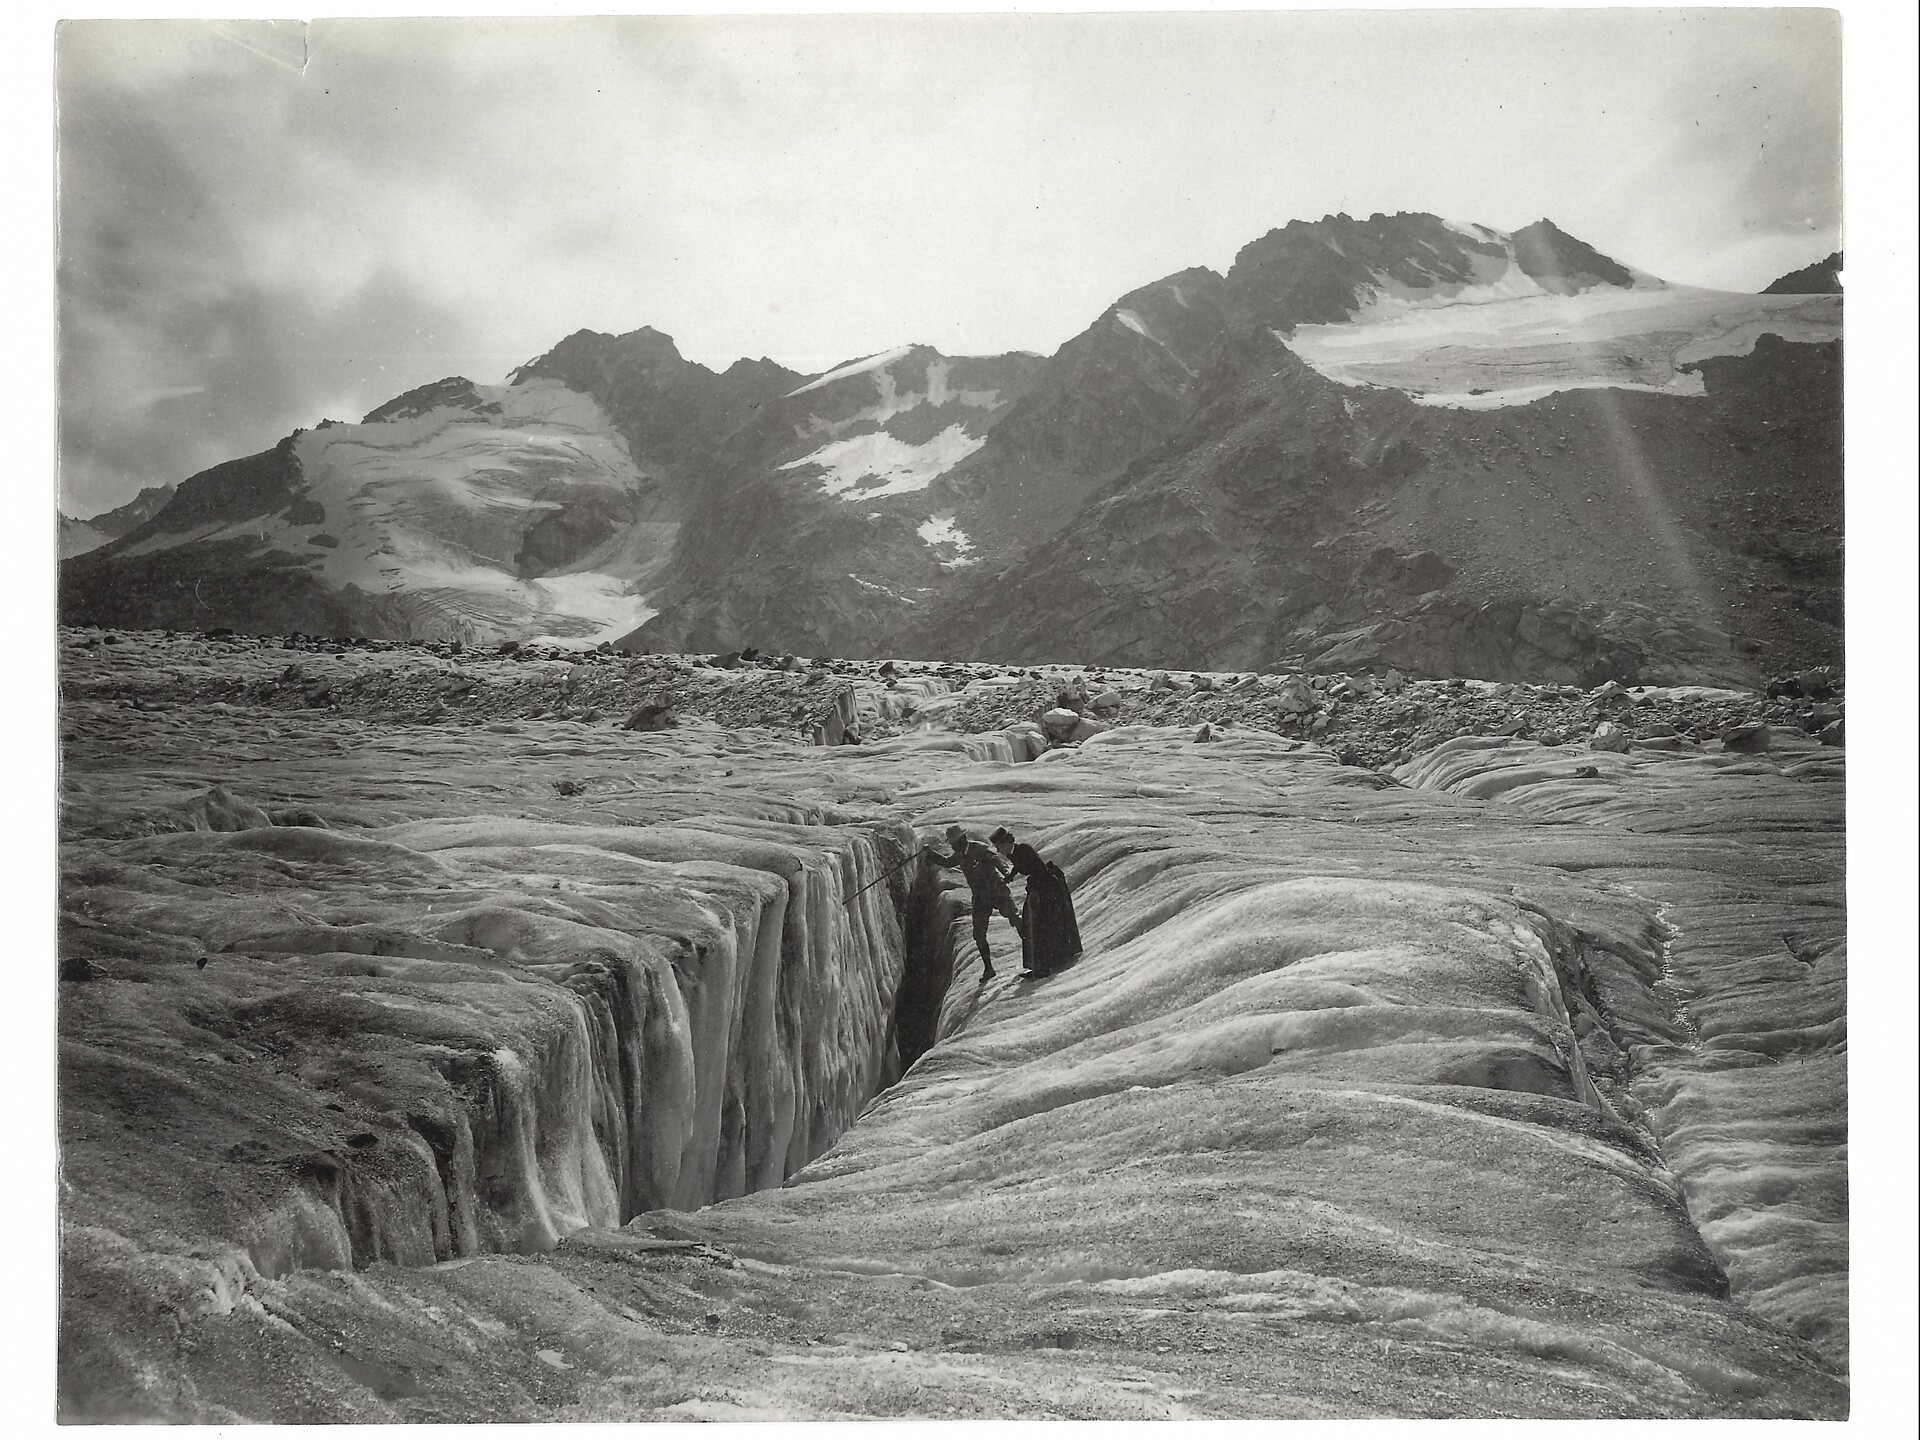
[(1002, 833), (958, 831)]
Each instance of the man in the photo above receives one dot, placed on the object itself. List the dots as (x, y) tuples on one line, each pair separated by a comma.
[(986, 874)]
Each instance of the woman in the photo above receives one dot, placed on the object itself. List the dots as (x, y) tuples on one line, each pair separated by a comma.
[(1052, 933)]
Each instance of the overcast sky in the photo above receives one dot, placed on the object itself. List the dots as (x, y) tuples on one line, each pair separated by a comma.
[(263, 225)]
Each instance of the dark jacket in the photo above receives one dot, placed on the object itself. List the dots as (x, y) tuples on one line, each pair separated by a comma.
[(1052, 931), (986, 872)]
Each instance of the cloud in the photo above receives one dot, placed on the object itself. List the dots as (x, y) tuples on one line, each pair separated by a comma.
[(180, 345)]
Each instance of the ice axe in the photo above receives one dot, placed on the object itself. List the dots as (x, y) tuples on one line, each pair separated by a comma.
[(911, 855)]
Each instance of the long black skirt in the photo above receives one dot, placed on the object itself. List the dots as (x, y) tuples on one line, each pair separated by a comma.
[(1053, 932)]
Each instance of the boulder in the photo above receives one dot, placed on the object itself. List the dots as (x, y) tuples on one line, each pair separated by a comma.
[(1610, 737), (1086, 730), (1747, 739), (654, 714), (1834, 734), (1817, 683), (1160, 681), (1060, 722), (1293, 696), (1106, 702)]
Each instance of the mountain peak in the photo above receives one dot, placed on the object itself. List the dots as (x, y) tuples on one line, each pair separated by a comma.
[(1820, 278), (1559, 263), (456, 392), (647, 336)]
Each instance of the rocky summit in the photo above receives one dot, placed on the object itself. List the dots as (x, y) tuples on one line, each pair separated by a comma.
[(521, 1033), (1399, 443)]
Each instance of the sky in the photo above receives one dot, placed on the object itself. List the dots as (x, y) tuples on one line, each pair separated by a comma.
[(266, 224)]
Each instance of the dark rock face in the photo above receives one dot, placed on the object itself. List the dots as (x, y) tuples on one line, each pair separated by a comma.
[(237, 490), (1316, 272), (571, 531), (791, 545), (456, 391), (1562, 264), (1820, 278), (193, 589), (672, 411), (1112, 394), (1587, 536)]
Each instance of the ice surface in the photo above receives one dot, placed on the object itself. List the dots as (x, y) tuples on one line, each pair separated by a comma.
[(1364, 1098)]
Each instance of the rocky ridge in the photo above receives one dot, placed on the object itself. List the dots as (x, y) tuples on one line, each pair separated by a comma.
[(79, 536), (1820, 278), (1302, 431)]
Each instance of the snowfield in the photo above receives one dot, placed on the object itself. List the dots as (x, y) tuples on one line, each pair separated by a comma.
[(1489, 346), (892, 400), (865, 467), (939, 530)]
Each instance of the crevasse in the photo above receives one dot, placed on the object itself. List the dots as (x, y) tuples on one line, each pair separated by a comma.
[(649, 1071)]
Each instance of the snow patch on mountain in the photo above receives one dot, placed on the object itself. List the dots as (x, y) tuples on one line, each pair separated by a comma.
[(894, 402), (1479, 234), (880, 589), (864, 467), (939, 531), (1479, 350), (1132, 321), (853, 367)]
